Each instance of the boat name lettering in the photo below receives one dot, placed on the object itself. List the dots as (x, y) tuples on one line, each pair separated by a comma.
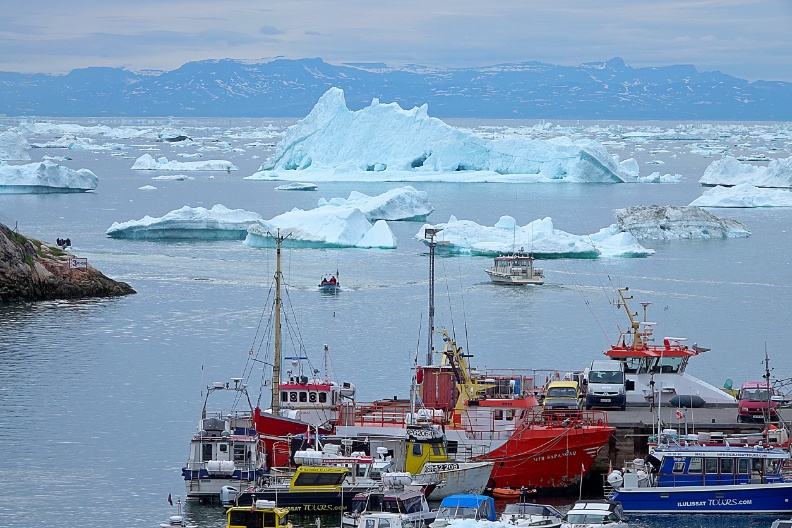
[(444, 467), (422, 433), (315, 508), (554, 455), (714, 502)]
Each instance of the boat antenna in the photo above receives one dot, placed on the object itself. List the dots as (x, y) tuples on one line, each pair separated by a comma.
[(766, 412), (430, 233)]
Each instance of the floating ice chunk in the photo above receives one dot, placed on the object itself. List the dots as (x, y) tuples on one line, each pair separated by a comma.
[(14, 147), (655, 177), (744, 195), (320, 227), (172, 177), (403, 203), (297, 186), (217, 223), (45, 177), (147, 162), (654, 222), (538, 237), (147, 188), (379, 236), (729, 171), (383, 142)]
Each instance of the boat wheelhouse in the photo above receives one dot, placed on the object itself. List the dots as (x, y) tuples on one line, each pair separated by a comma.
[(463, 507), (595, 514), (658, 371), (706, 479), (263, 514), (394, 497), (515, 270)]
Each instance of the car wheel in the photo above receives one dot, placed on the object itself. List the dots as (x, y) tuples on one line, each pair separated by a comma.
[(624, 407)]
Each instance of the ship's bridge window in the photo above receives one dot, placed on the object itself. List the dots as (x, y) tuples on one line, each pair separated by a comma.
[(772, 466), (743, 466), (293, 396), (679, 466), (322, 397), (417, 450), (695, 465), (631, 364), (498, 415), (284, 396), (437, 449), (667, 365), (303, 396), (726, 466), (206, 452), (239, 452), (711, 465)]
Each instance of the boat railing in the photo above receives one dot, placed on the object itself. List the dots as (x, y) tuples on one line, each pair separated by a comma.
[(565, 418)]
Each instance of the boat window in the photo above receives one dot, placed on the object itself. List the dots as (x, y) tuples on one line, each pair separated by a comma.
[(309, 478), (284, 396), (417, 450), (293, 396), (239, 452), (371, 523), (206, 452), (756, 465), (322, 397), (452, 447), (710, 465), (312, 397), (695, 465), (727, 466), (303, 396), (223, 448), (270, 520), (437, 449), (384, 523), (772, 465), (508, 415), (631, 364), (743, 466), (498, 415), (679, 466)]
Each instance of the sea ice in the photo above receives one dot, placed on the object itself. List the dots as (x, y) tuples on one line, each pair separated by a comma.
[(403, 203), (217, 223), (14, 147), (147, 162), (729, 171), (539, 238), (322, 227), (654, 222), (383, 142), (297, 186), (744, 195), (45, 177)]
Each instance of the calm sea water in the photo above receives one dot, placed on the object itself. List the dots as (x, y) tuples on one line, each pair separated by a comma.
[(99, 398)]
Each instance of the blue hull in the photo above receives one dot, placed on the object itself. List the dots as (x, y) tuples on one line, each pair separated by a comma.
[(748, 498)]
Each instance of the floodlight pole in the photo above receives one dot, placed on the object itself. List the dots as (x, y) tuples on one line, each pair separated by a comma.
[(430, 233)]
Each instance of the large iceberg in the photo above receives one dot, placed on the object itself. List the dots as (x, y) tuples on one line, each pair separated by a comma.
[(729, 171), (655, 222), (322, 227), (14, 147), (44, 177), (744, 195), (383, 142), (404, 203), (538, 237), (147, 162), (217, 223)]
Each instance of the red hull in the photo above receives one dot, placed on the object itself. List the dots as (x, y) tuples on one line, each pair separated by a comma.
[(544, 457), (274, 430)]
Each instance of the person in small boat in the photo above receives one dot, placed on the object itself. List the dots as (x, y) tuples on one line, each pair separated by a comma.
[(324, 281), (333, 280)]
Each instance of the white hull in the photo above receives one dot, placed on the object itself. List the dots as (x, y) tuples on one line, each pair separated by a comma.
[(458, 477), (672, 385), (514, 280)]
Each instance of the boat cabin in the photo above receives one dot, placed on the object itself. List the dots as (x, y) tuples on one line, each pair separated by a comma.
[(595, 513), (475, 507), (716, 465), (263, 514)]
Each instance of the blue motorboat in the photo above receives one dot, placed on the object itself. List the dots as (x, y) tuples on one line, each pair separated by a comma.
[(465, 506), (706, 479)]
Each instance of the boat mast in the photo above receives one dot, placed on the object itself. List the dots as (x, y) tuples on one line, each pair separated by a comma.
[(276, 362), (430, 233)]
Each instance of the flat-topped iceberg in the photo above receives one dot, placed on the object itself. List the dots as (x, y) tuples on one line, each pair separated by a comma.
[(729, 171), (655, 222), (538, 237), (403, 203), (744, 195), (322, 227), (44, 177), (297, 186), (14, 147), (147, 162), (383, 142), (217, 223)]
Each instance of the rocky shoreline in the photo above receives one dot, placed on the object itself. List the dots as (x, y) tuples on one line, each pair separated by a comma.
[(32, 270)]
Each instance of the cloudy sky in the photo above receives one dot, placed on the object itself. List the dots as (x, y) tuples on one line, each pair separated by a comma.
[(751, 39)]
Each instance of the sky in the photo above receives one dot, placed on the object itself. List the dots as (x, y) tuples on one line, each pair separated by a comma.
[(750, 39)]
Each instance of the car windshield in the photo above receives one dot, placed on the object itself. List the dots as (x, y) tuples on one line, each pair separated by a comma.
[(606, 376), (561, 392)]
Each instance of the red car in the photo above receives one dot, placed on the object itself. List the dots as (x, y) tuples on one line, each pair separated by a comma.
[(756, 398)]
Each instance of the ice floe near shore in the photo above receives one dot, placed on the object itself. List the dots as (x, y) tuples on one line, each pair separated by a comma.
[(654, 222), (744, 195), (44, 177), (383, 142), (147, 162), (217, 223), (729, 171)]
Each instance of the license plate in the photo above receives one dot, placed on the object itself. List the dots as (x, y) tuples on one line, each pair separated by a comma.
[(605, 400)]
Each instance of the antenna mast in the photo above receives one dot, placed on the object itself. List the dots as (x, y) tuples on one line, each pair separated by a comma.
[(276, 363), (430, 234)]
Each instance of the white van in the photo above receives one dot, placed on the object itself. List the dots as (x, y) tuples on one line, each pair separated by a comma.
[(606, 384)]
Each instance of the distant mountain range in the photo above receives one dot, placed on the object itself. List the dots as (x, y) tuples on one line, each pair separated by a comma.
[(290, 88)]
